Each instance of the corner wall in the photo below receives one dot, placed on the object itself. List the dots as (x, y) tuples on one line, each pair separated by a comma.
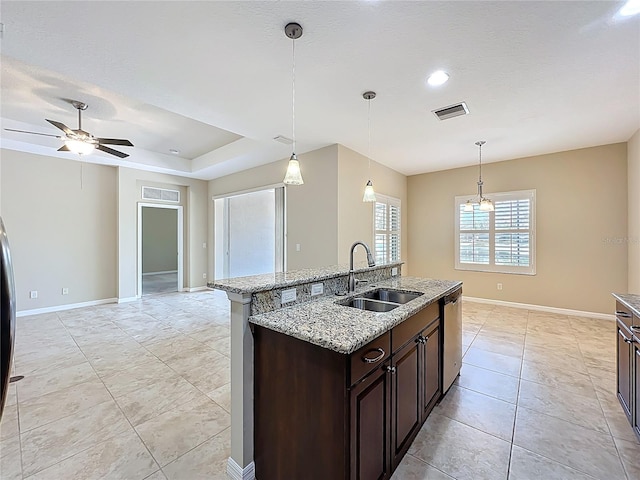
[(633, 204), (581, 226)]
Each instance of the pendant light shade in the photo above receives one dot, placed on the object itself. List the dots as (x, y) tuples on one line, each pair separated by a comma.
[(293, 175), (484, 204), (369, 194)]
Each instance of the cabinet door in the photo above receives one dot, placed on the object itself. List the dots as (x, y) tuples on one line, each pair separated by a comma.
[(431, 369), (636, 390), (405, 382), (370, 426), (624, 369)]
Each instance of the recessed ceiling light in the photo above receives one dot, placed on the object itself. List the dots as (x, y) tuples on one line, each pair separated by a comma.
[(632, 7), (437, 78), (174, 151)]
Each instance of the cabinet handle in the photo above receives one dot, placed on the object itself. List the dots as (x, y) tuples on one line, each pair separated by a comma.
[(628, 340), (391, 370), (622, 314), (381, 354), (635, 328)]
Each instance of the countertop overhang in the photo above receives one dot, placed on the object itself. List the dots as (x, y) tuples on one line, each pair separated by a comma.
[(630, 300), (326, 323)]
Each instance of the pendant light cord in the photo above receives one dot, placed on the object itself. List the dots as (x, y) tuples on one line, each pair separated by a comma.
[(293, 99), (480, 146), (369, 133)]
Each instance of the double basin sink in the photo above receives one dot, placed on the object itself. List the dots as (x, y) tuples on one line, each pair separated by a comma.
[(380, 300)]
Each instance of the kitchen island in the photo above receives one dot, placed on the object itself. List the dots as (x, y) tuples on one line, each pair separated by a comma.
[(321, 327)]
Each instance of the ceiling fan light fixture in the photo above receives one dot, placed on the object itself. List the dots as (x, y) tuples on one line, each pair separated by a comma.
[(79, 146), (293, 175)]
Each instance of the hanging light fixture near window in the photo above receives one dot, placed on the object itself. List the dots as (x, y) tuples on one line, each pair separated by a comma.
[(293, 175), (369, 194), (485, 205)]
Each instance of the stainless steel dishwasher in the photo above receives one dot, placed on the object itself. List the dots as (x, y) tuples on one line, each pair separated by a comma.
[(452, 330)]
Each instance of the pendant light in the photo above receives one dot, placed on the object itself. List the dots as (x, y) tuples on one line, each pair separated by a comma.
[(369, 194), (293, 175), (485, 205)]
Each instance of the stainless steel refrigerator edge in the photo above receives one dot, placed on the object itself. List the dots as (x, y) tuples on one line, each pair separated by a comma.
[(452, 355), (7, 314)]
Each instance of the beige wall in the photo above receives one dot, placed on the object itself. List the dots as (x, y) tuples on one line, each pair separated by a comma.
[(311, 208), (633, 174), (193, 197), (355, 218), (159, 240), (62, 226), (581, 226)]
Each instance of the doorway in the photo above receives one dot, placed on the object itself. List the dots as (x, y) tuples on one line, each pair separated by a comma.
[(249, 233), (160, 256)]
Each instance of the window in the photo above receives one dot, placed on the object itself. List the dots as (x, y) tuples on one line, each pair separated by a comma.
[(386, 224), (499, 241)]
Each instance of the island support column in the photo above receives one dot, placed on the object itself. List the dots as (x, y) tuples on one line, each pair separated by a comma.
[(240, 465)]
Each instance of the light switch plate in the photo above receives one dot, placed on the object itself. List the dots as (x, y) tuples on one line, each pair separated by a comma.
[(394, 271), (317, 289), (288, 295)]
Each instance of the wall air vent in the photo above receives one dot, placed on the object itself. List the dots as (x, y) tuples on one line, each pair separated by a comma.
[(160, 194), (452, 111)]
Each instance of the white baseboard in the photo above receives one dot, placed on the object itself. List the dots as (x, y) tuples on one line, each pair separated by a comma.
[(236, 472), (159, 273), (128, 299), (69, 306), (542, 308), (196, 289)]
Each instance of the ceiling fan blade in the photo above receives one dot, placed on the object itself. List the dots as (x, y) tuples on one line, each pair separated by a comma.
[(64, 148), (61, 126), (112, 151), (33, 133), (114, 141)]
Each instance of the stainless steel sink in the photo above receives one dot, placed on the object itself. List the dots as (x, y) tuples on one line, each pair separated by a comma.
[(370, 304), (388, 295)]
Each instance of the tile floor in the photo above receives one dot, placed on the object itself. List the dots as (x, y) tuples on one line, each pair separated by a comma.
[(141, 391), (159, 283)]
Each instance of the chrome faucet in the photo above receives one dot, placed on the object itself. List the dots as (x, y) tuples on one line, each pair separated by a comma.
[(370, 261)]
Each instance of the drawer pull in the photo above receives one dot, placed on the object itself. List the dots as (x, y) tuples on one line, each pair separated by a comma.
[(622, 314), (635, 328), (380, 356)]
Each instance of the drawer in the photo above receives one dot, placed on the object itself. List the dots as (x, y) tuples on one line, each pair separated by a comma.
[(405, 331), (624, 314), (369, 357)]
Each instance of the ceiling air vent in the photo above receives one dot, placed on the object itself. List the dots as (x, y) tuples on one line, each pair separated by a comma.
[(452, 111), (160, 194)]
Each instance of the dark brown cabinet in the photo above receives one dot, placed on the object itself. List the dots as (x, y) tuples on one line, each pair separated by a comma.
[(628, 364), (636, 359), (319, 414), (624, 351)]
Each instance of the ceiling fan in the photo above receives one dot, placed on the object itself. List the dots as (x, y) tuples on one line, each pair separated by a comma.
[(81, 142)]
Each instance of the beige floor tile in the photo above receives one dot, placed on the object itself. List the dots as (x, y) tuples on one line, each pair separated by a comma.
[(222, 345), (12, 398), (176, 347), (630, 455), (159, 475), (49, 363), (9, 426), (136, 377), (61, 403), (461, 451), (558, 376), (412, 468), (173, 433), (10, 459), (123, 456), (485, 413), (496, 344), (207, 371), (493, 361), (45, 446), (619, 426), (578, 447), (526, 465), (494, 384), (33, 386), (210, 332), (569, 406), (206, 461), (496, 327), (161, 396), (222, 396), (555, 357), (112, 362)]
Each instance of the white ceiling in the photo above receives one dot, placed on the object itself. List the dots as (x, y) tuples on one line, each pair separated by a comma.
[(213, 79)]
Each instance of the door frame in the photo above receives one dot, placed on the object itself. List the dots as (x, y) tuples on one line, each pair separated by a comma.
[(179, 208)]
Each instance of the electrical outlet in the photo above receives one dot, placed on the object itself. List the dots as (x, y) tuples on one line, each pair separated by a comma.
[(33, 294), (204, 275), (297, 247), (65, 291), (288, 295), (499, 286), (317, 289), (204, 244), (394, 271)]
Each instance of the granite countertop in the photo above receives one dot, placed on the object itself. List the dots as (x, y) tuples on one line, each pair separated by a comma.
[(344, 329), (271, 281), (631, 301)]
